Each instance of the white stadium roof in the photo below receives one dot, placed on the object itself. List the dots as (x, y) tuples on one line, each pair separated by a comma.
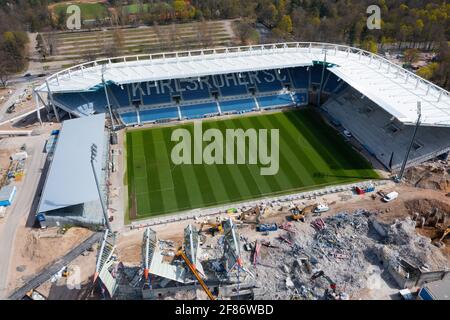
[(70, 180), (390, 86)]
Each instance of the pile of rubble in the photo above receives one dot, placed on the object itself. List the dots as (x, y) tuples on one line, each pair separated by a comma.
[(431, 175), (339, 254)]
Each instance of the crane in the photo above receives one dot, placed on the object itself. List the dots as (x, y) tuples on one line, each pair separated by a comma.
[(196, 274)]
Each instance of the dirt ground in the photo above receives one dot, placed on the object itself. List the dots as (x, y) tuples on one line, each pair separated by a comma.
[(37, 249), (82, 270)]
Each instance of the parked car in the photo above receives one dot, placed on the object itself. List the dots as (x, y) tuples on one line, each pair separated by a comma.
[(390, 196)]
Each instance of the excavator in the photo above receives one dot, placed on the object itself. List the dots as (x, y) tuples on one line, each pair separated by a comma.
[(196, 274), (299, 215), (445, 233), (331, 292), (215, 226)]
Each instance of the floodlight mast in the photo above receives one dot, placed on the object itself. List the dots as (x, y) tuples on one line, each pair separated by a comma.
[(399, 177), (94, 158), (107, 97)]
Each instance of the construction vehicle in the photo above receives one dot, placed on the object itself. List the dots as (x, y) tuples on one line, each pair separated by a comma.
[(261, 214), (440, 241), (196, 274), (66, 272), (244, 216), (215, 226), (331, 292), (299, 215), (321, 208), (267, 227)]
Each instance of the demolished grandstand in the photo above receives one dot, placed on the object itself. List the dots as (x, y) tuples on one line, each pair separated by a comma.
[(362, 92)]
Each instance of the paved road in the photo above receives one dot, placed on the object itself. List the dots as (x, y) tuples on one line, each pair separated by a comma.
[(20, 210), (46, 274)]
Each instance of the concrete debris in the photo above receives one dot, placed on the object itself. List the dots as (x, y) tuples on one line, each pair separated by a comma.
[(346, 248)]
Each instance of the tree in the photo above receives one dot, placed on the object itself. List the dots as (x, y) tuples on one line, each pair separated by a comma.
[(12, 46), (285, 24), (5, 72), (370, 45), (246, 33), (427, 72)]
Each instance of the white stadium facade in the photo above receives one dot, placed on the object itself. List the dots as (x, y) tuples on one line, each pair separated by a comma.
[(374, 99)]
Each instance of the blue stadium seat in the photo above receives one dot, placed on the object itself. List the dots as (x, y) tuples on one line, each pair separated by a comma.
[(202, 91), (316, 74), (86, 103), (285, 76), (232, 89), (198, 110), (265, 85), (331, 83), (120, 94), (241, 105), (158, 114), (301, 98), (98, 100), (280, 100), (129, 118), (154, 99), (300, 77)]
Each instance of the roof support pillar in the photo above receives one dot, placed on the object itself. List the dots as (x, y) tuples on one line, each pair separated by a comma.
[(38, 107), (50, 95)]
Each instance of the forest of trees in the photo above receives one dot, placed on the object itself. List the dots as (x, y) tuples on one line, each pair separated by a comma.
[(411, 22)]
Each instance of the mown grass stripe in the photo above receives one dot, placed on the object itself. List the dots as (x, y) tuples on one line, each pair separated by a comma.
[(223, 190), (201, 174), (234, 170), (180, 184), (306, 162), (164, 171), (153, 180), (279, 181), (256, 181)]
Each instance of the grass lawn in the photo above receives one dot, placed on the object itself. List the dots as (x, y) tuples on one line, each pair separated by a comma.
[(311, 155), (89, 11), (135, 8)]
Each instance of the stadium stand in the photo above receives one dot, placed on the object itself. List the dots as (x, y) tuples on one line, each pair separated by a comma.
[(120, 95), (382, 136), (129, 118), (301, 98), (231, 87), (86, 103), (331, 82), (268, 81), (316, 74), (300, 77), (155, 99), (275, 101), (200, 92), (158, 114), (239, 105), (199, 110)]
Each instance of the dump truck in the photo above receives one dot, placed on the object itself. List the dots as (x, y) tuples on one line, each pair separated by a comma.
[(266, 227)]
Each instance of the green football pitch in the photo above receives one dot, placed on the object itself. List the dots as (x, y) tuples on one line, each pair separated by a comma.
[(311, 155)]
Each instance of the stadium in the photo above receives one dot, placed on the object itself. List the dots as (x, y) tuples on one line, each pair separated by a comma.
[(321, 90)]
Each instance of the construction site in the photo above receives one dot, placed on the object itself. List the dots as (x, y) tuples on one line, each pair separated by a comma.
[(359, 249)]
